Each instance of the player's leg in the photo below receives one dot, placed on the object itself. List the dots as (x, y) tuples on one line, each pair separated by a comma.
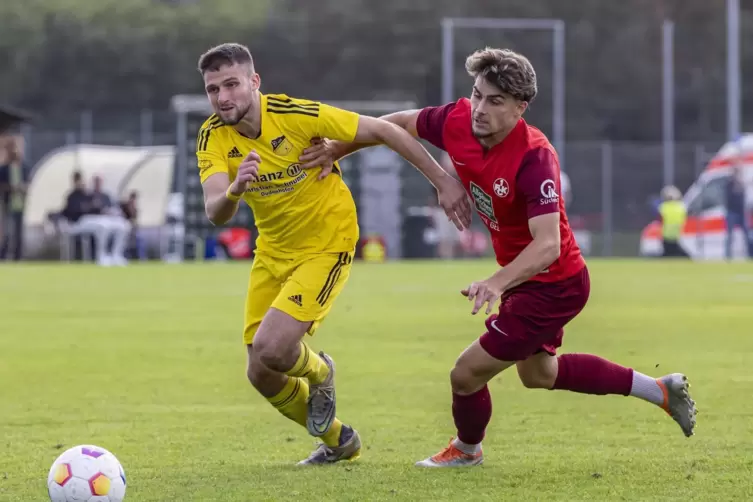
[(287, 395), (307, 297), (301, 305), (339, 441), (471, 406), (590, 374)]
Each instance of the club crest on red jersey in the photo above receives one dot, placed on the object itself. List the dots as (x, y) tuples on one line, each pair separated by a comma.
[(501, 188)]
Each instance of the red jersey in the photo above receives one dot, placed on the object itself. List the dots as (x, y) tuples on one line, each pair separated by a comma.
[(509, 184)]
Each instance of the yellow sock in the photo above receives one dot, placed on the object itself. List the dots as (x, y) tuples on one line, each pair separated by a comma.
[(291, 401), (309, 366), (332, 437)]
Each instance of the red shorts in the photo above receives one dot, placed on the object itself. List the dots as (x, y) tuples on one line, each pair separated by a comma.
[(532, 317)]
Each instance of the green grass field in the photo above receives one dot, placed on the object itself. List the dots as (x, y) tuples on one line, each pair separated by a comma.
[(147, 362)]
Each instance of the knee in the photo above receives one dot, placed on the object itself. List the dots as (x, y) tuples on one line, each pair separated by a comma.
[(464, 380), (272, 352), (255, 371), (259, 375), (538, 379)]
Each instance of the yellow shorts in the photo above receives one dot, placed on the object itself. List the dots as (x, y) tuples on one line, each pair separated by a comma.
[(304, 288)]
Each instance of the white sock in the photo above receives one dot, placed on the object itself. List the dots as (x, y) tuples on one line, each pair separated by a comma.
[(645, 387), (468, 449)]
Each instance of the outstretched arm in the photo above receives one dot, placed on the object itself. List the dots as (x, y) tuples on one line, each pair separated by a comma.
[(452, 196), (405, 120), (374, 131)]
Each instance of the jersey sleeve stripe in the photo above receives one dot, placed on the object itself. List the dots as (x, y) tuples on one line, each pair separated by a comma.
[(288, 106), (200, 140), (203, 140), (297, 111), (287, 103)]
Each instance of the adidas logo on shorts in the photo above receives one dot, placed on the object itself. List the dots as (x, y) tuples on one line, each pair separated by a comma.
[(297, 299), (234, 153)]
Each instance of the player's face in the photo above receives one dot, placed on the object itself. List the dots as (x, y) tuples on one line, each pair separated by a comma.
[(493, 111), (231, 91)]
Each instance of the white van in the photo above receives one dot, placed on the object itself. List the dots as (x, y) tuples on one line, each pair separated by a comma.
[(705, 231)]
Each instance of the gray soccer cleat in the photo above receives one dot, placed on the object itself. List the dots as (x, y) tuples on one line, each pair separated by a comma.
[(677, 402), (349, 449), (321, 402)]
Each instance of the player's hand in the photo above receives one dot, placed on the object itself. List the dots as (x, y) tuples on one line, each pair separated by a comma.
[(320, 153), (248, 171), (454, 201), (482, 292)]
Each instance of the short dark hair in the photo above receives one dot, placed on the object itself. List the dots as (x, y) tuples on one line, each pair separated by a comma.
[(511, 72), (225, 54), (77, 176)]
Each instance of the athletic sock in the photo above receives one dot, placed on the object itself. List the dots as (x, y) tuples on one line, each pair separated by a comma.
[(291, 400), (472, 414), (332, 437), (589, 374), (310, 366), (647, 388)]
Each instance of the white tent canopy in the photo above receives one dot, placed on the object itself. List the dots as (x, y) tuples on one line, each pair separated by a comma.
[(147, 170)]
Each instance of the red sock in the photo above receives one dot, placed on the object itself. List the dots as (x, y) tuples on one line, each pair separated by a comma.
[(589, 374), (472, 414)]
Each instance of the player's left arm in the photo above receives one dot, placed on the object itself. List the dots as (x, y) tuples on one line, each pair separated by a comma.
[(537, 182)]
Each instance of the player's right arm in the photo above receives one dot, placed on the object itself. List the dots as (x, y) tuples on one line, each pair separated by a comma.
[(426, 123), (221, 195), (338, 149)]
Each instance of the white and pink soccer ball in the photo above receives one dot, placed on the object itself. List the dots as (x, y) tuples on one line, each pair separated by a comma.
[(86, 473)]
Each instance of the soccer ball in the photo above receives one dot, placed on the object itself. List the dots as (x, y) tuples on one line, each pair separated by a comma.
[(86, 473)]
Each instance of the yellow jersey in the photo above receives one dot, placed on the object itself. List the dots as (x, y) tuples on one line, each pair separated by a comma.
[(295, 213)]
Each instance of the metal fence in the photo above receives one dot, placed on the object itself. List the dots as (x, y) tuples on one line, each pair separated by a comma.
[(614, 184)]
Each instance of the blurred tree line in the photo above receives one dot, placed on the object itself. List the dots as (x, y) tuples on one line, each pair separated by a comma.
[(113, 56)]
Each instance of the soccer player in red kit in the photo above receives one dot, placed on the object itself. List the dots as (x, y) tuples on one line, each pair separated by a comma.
[(511, 173)]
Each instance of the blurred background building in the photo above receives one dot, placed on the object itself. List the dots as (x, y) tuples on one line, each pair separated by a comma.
[(636, 95)]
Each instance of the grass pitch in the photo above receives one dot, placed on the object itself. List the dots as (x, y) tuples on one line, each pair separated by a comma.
[(147, 361)]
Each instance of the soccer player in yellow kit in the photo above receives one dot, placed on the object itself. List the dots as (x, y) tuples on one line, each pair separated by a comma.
[(308, 229)]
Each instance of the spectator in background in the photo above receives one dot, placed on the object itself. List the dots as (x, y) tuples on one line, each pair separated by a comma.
[(736, 212), (673, 216), (77, 202), (93, 213), (13, 183), (111, 217), (131, 213)]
